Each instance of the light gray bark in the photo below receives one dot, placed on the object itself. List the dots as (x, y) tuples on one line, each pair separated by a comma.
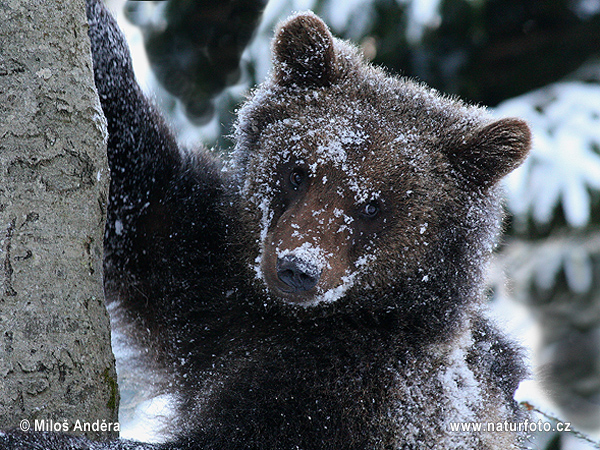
[(55, 357)]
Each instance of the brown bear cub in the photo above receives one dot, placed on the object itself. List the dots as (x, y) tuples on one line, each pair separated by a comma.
[(324, 288)]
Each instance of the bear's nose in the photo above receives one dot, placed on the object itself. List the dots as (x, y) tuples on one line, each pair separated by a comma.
[(297, 273)]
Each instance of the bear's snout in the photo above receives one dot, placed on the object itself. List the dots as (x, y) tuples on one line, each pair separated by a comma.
[(299, 275)]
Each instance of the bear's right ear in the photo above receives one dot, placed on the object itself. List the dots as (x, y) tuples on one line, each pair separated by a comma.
[(303, 52), (492, 151)]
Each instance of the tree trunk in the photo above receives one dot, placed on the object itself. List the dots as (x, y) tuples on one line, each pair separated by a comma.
[(56, 364)]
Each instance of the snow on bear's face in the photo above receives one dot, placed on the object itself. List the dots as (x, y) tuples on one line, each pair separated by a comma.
[(332, 189), (361, 180)]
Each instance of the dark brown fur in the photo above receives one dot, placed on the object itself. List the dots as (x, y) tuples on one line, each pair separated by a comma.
[(326, 291)]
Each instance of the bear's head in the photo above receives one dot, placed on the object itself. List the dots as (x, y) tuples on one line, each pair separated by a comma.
[(367, 185)]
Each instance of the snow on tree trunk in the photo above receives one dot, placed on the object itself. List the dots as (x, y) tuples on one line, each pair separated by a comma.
[(56, 363)]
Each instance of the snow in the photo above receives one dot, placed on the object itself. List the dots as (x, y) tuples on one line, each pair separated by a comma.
[(586, 8), (459, 383), (323, 144), (343, 13), (148, 419), (143, 412), (562, 171), (333, 152), (336, 293), (530, 392), (310, 257), (118, 227), (565, 162), (578, 270)]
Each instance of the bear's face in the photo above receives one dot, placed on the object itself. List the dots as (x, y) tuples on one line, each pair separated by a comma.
[(332, 189), (357, 175)]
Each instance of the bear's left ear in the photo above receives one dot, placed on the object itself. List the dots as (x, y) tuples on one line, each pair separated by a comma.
[(492, 151), (303, 52)]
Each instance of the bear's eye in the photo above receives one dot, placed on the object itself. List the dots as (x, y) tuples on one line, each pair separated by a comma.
[(371, 209), (297, 178)]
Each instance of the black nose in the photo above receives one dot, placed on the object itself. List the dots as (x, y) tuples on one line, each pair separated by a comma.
[(298, 274)]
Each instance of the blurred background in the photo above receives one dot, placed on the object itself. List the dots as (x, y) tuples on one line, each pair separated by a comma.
[(536, 59)]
